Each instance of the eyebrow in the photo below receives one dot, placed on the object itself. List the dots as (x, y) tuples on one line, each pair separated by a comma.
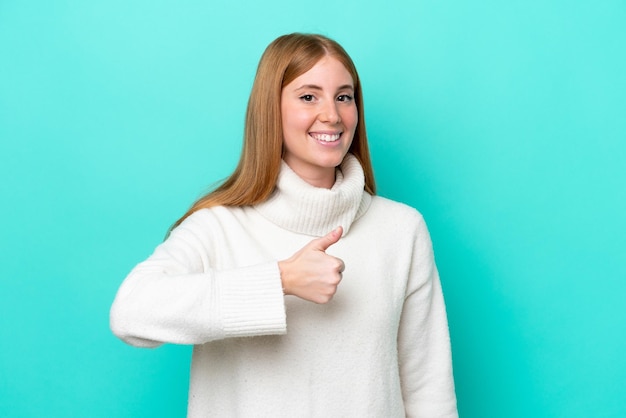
[(316, 87)]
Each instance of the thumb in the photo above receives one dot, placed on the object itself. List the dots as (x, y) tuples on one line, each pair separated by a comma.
[(322, 244)]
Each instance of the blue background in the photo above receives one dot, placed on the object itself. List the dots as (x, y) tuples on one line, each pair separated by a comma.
[(504, 123)]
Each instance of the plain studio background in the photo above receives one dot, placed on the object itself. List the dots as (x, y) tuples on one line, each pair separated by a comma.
[(503, 123)]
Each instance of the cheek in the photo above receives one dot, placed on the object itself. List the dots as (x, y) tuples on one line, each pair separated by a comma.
[(350, 118), (294, 119)]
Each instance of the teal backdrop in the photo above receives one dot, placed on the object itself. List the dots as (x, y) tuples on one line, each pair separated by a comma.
[(504, 123)]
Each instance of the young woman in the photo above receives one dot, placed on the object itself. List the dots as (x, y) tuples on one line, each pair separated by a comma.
[(303, 294)]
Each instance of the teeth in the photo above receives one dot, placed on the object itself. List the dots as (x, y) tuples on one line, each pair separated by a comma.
[(326, 137)]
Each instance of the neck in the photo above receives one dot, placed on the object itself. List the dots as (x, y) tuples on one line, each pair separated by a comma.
[(322, 178)]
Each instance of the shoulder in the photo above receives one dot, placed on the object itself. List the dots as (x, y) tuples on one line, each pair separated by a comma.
[(398, 222), (207, 216), (404, 224), (206, 230), (207, 220), (382, 207)]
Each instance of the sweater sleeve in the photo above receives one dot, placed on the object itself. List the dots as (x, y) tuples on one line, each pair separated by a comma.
[(176, 297), (423, 338)]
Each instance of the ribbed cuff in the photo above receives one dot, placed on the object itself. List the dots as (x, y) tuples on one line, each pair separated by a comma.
[(252, 301)]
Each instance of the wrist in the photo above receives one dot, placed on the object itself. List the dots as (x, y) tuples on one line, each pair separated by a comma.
[(283, 267)]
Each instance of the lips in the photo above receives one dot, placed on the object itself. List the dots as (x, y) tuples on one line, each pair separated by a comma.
[(325, 137)]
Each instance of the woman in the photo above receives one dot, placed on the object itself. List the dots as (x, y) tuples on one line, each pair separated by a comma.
[(302, 292)]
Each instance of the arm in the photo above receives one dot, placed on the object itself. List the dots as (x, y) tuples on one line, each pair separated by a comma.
[(176, 296), (423, 339)]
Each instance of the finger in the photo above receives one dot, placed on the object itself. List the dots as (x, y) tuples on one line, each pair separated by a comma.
[(326, 241), (340, 269)]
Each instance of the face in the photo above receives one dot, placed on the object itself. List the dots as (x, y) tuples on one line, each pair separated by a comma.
[(319, 117)]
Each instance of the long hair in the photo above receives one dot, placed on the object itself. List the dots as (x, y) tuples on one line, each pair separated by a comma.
[(254, 179)]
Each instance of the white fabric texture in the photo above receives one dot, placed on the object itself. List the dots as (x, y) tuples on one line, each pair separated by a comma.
[(379, 348)]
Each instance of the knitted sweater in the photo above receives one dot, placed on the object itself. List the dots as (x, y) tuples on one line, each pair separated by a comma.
[(379, 348)]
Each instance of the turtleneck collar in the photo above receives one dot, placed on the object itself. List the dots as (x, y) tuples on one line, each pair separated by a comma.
[(297, 206)]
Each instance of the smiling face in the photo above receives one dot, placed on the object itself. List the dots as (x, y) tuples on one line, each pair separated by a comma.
[(319, 117)]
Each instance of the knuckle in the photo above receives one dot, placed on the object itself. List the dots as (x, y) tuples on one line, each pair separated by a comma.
[(338, 265)]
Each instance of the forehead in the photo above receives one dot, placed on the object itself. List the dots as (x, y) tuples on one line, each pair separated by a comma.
[(328, 72)]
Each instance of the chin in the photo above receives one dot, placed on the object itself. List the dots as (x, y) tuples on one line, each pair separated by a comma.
[(333, 162)]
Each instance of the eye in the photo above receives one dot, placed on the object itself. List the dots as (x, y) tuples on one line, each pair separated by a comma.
[(345, 98), (307, 97)]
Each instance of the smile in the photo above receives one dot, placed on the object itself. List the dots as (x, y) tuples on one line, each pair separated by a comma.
[(325, 137)]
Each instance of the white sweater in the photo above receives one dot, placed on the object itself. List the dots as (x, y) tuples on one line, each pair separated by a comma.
[(379, 348)]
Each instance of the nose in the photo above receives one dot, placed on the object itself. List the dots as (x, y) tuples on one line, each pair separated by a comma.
[(329, 113)]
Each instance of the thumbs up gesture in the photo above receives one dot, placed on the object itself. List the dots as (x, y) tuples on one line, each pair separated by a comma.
[(310, 273)]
